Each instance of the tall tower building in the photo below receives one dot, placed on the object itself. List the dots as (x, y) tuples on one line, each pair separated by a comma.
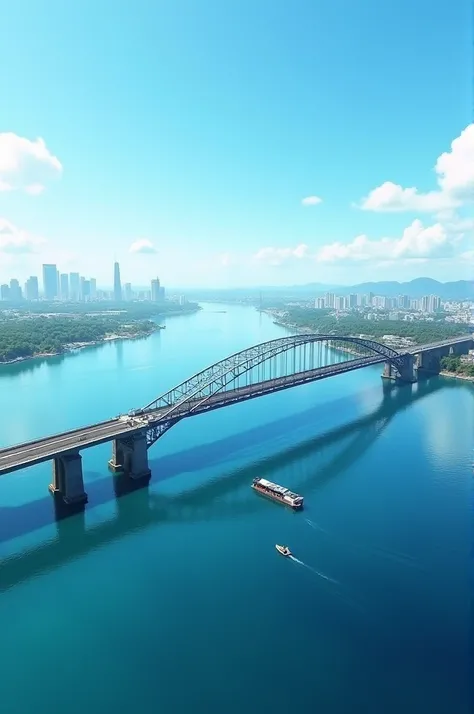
[(50, 281), (74, 286), (128, 292), (155, 290), (64, 286), (31, 288), (117, 283), (16, 293)]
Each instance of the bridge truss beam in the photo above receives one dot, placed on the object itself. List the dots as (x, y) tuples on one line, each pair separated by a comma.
[(287, 355)]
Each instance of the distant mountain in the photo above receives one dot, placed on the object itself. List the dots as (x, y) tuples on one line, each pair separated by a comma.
[(457, 290)]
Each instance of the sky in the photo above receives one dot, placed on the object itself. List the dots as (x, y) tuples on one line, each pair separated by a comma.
[(235, 143)]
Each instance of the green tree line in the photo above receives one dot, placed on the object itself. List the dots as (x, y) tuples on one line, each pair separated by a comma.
[(30, 336), (138, 309), (453, 364), (421, 332)]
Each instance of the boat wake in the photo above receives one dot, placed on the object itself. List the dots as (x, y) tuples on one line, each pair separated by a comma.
[(315, 526), (313, 570), (393, 555)]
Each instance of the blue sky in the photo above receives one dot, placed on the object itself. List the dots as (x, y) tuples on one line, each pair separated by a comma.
[(181, 138)]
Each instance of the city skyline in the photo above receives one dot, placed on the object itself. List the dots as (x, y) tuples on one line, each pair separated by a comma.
[(245, 165), (57, 285)]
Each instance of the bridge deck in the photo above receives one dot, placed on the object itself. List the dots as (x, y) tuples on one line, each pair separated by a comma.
[(438, 345), (34, 452)]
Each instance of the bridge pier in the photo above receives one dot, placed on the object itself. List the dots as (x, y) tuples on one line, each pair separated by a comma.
[(68, 481), (406, 372), (130, 456)]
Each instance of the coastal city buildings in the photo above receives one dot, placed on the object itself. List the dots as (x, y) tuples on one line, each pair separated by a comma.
[(73, 287)]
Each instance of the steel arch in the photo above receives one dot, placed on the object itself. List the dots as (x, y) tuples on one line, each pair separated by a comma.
[(202, 385)]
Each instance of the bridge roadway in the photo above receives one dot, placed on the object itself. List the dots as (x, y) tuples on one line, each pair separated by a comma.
[(438, 345), (34, 452)]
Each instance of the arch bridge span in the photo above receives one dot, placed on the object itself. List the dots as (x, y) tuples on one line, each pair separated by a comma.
[(256, 371), (262, 369)]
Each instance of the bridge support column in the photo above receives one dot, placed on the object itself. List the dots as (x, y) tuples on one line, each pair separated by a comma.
[(406, 372), (68, 481), (130, 456)]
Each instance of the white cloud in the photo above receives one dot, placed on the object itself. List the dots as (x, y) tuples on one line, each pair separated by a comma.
[(15, 241), (392, 198), (278, 256), (142, 246), (26, 165), (455, 177), (311, 201), (416, 242)]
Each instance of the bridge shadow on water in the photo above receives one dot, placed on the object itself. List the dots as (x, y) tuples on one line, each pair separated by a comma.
[(214, 499)]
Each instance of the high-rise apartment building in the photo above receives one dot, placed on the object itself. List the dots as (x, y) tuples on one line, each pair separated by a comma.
[(155, 290), (16, 293), (4, 292), (31, 288), (74, 287), (64, 286), (50, 281), (330, 300), (128, 292), (117, 283), (434, 303), (93, 290)]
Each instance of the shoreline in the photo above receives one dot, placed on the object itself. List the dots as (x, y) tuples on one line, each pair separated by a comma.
[(456, 375), (75, 346)]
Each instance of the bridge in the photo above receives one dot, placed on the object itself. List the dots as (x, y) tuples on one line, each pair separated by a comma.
[(257, 371)]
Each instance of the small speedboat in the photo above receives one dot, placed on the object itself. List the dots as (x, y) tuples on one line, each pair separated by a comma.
[(283, 549)]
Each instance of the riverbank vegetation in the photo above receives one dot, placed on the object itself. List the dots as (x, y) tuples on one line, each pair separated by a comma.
[(419, 332), (26, 337), (135, 310), (456, 366)]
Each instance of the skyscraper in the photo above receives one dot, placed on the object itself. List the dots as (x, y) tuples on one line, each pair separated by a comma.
[(15, 290), (117, 283), (74, 286), (64, 286), (31, 288), (155, 290), (128, 292), (50, 281)]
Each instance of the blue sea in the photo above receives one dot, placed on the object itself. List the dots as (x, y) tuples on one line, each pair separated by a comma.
[(173, 599)]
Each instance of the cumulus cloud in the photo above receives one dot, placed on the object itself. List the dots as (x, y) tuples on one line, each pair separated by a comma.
[(15, 241), (26, 165), (455, 178), (277, 256), (392, 198), (143, 247), (415, 242), (418, 243), (311, 201)]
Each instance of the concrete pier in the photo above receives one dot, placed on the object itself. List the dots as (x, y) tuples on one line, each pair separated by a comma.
[(405, 373), (68, 481), (130, 456)]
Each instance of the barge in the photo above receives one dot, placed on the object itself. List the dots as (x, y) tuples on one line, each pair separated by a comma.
[(278, 493)]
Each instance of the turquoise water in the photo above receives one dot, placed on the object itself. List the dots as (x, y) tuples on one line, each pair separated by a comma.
[(173, 598)]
